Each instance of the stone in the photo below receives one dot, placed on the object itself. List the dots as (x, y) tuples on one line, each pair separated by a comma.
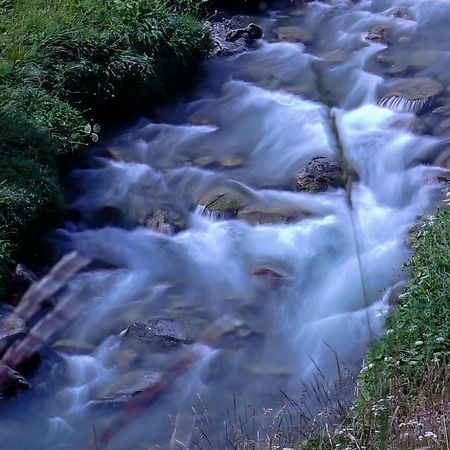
[(401, 14), (293, 34), (412, 94), (164, 221), (443, 129), (249, 34), (11, 326), (123, 388), (167, 332), (229, 39), (443, 159), (378, 34), (257, 217), (73, 347), (319, 175), (222, 204)]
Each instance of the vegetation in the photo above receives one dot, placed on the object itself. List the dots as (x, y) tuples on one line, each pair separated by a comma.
[(62, 65), (404, 387)]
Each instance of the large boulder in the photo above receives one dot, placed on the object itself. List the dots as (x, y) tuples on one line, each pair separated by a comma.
[(412, 94), (319, 175)]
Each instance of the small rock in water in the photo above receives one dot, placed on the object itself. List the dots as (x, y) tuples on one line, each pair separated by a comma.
[(443, 160), (249, 34), (269, 275), (221, 205), (412, 95), (379, 34), (293, 34), (319, 175), (401, 14), (164, 333), (72, 346), (164, 221), (122, 389), (255, 217)]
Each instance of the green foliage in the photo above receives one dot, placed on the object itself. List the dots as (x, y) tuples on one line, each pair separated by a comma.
[(419, 332), (66, 63)]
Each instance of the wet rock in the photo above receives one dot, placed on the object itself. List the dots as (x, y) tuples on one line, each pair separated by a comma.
[(24, 274), (412, 95), (401, 14), (73, 347), (165, 333), (123, 388), (249, 34), (116, 155), (241, 336), (164, 221), (223, 204), (294, 34), (257, 217), (443, 128), (319, 175), (270, 276), (443, 160), (379, 34), (11, 325), (413, 235), (223, 162), (229, 38), (109, 215), (443, 110), (11, 381)]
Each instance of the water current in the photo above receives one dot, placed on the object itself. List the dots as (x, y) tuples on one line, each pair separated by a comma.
[(193, 216)]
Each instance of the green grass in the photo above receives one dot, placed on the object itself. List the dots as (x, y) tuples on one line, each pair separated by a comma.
[(67, 63), (404, 387)]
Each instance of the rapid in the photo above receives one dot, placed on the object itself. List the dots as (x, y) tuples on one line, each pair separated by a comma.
[(193, 216)]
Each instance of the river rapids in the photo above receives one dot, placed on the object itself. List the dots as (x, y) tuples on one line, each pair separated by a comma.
[(307, 277)]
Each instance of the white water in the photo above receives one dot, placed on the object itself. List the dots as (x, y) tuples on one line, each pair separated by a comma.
[(262, 106)]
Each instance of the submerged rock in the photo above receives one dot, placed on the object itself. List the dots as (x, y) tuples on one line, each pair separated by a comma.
[(379, 34), (123, 388), (443, 128), (165, 333), (294, 34), (412, 94), (164, 221), (319, 174), (257, 217)]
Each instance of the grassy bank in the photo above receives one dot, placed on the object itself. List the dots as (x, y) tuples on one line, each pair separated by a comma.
[(64, 66), (404, 387)]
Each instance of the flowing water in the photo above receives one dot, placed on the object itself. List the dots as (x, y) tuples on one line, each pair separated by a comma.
[(295, 285)]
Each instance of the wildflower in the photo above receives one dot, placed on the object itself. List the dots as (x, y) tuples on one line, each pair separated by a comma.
[(440, 339), (430, 435), (419, 342), (390, 331), (388, 358)]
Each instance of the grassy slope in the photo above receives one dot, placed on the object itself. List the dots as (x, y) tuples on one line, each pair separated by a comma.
[(62, 64), (405, 384)]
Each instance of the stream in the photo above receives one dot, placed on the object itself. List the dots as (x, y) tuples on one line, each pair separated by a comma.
[(196, 215)]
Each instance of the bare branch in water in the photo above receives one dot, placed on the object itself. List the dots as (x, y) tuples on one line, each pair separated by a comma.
[(29, 305), (154, 389)]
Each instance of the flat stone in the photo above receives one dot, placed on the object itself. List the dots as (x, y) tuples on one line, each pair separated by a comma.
[(11, 326), (412, 94), (293, 34)]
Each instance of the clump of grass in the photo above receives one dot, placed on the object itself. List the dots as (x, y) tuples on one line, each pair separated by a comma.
[(66, 64)]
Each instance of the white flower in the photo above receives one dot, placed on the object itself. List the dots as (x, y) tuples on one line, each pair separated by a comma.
[(390, 331), (440, 339), (418, 343), (430, 435)]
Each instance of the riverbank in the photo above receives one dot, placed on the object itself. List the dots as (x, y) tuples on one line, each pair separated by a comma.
[(65, 67), (403, 388)]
